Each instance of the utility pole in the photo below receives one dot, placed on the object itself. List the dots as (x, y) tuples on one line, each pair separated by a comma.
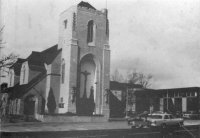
[(127, 102)]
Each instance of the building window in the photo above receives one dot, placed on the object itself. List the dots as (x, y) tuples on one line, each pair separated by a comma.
[(11, 79), (24, 74), (176, 94), (90, 35), (65, 24), (63, 71), (107, 27), (61, 99), (74, 21), (192, 94), (171, 94), (61, 104)]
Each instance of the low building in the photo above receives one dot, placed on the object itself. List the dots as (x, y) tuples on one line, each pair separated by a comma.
[(179, 99), (151, 100), (122, 98), (169, 100)]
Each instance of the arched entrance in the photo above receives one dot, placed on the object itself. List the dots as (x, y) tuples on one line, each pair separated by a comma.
[(29, 105), (88, 79)]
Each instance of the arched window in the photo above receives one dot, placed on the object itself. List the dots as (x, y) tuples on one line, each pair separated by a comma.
[(63, 71), (65, 24), (24, 74), (90, 33), (11, 78), (74, 21)]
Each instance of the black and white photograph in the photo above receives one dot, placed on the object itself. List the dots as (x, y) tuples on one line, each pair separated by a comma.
[(99, 68)]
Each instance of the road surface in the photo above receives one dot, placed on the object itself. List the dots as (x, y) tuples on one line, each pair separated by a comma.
[(64, 126)]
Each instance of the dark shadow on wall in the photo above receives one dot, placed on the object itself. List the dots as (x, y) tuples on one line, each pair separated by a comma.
[(43, 106), (51, 103), (117, 107), (29, 105), (86, 106)]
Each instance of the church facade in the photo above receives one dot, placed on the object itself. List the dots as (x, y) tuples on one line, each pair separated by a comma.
[(70, 77), (83, 37)]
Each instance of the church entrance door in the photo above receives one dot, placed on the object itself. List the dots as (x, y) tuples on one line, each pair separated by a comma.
[(29, 105)]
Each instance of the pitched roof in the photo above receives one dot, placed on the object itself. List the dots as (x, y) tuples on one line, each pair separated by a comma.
[(18, 91), (85, 4), (36, 62), (50, 54), (39, 58), (35, 59), (17, 66)]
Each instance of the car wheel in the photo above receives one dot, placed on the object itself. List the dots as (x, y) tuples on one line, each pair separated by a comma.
[(180, 124), (133, 127), (164, 126)]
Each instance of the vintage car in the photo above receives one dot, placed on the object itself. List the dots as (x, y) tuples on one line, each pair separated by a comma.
[(191, 115), (139, 120), (164, 120)]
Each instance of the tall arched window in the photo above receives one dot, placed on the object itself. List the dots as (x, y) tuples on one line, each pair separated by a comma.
[(63, 71), (74, 21), (24, 74), (90, 35), (11, 78)]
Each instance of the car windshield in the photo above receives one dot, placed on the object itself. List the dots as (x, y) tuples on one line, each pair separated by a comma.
[(156, 116)]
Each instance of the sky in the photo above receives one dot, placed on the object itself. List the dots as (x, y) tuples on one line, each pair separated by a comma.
[(158, 37)]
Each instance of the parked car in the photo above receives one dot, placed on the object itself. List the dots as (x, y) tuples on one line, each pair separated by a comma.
[(139, 120), (179, 114), (191, 115), (164, 120)]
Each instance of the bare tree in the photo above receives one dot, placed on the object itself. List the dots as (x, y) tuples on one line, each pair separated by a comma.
[(135, 77), (132, 77), (8, 60), (144, 80), (117, 76)]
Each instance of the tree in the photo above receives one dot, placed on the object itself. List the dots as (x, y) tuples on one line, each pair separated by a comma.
[(5, 62), (145, 80), (8, 60), (132, 77), (116, 76), (135, 77), (51, 103)]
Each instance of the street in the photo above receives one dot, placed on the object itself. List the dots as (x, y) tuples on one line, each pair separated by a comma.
[(64, 126)]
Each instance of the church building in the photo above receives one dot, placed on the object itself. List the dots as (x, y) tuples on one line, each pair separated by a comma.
[(70, 77)]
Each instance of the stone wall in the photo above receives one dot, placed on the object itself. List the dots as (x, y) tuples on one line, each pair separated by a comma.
[(56, 79)]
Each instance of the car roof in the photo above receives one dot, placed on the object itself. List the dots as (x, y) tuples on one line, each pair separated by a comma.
[(160, 114)]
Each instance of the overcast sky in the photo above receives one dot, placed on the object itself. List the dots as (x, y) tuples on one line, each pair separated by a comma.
[(161, 37)]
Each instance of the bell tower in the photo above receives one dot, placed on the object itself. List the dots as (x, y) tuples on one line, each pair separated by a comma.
[(84, 39)]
